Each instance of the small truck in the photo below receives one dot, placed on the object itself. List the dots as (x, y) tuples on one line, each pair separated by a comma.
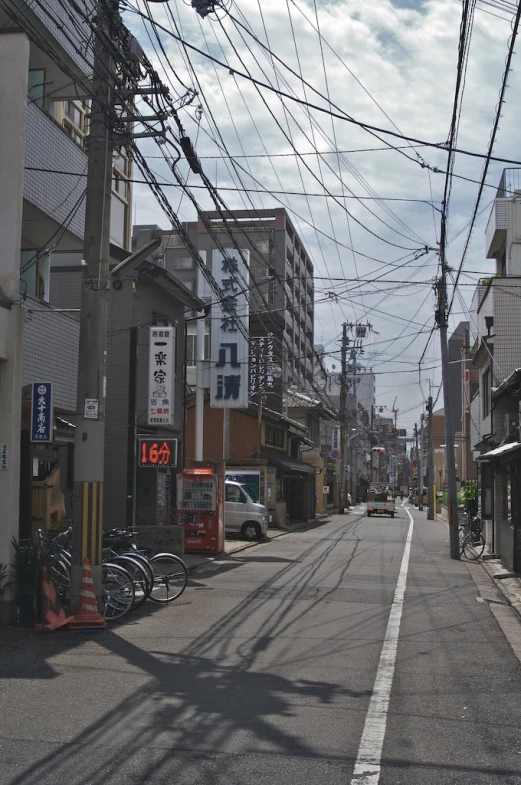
[(380, 501)]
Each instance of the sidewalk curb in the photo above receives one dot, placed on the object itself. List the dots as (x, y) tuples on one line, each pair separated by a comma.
[(509, 588)]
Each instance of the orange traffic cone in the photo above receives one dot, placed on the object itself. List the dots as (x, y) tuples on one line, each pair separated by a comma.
[(52, 609), (87, 617)]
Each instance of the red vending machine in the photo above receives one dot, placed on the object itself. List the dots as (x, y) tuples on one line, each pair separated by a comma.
[(200, 504)]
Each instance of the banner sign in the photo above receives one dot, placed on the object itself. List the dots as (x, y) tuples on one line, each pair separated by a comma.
[(230, 348), (42, 414), (161, 369)]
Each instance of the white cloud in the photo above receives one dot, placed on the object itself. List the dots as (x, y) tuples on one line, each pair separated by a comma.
[(404, 52)]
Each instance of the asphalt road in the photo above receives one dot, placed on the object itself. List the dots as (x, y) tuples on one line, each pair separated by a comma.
[(354, 651)]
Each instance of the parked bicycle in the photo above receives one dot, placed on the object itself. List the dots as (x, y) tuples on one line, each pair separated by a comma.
[(167, 571), (472, 542), (118, 594)]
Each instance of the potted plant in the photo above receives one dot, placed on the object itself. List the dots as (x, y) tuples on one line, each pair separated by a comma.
[(25, 576)]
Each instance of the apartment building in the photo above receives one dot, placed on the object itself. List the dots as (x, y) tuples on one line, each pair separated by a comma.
[(46, 67), (280, 289), (495, 330)]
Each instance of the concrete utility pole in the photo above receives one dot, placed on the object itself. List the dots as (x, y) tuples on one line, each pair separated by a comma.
[(450, 459), (420, 467), (353, 461), (14, 67), (89, 444), (430, 463), (417, 462), (343, 421)]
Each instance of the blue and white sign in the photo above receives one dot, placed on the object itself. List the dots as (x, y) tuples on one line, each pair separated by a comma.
[(42, 414), (230, 347)]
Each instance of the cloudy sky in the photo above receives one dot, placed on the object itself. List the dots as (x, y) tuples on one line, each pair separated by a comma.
[(386, 63)]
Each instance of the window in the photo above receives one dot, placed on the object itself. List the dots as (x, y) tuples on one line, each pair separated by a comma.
[(36, 86), (178, 262), (263, 246), (31, 281), (485, 392), (72, 116), (274, 436), (191, 347), (233, 493), (120, 206)]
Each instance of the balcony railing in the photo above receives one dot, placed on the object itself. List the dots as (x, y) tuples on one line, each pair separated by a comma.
[(496, 231)]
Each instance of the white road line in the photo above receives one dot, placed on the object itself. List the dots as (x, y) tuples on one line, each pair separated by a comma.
[(368, 761)]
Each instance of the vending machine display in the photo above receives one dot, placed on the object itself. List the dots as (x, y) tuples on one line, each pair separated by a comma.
[(201, 509)]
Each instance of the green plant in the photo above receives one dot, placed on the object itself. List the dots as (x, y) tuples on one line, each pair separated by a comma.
[(4, 578), (470, 499), (25, 572)]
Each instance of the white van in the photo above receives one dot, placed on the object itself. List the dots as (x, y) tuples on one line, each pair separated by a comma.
[(241, 514)]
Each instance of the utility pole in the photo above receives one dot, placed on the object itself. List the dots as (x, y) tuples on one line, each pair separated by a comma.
[(89, 443), (441, 317), (353, 462), (343, 423), (420, 467), (417, 461), (430, 463)]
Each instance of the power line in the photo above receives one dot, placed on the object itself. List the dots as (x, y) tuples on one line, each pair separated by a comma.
[(421, 142)]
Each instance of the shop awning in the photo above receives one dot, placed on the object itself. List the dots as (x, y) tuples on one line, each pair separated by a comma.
[(288, 464), (511, 450)]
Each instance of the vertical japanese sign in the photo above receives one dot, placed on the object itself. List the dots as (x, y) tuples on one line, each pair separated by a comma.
[(230, 348), (161, 368), (262, 364), (335, 437), (265, 372), (42, 414)]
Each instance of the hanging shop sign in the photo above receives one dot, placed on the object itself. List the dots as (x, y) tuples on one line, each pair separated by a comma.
[(230, 323), (42, 414), (161, 368)]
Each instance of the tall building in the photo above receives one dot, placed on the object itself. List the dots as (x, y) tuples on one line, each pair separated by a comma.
[(281, 287)]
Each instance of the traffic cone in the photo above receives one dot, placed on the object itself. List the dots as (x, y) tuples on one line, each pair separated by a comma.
[(87, 617), (52, 609)]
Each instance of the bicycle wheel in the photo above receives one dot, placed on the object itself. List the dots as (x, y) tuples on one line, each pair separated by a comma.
[(170, 577), (473, 545), (143, 560), (117, 591), (61, 578), (140, 578)]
